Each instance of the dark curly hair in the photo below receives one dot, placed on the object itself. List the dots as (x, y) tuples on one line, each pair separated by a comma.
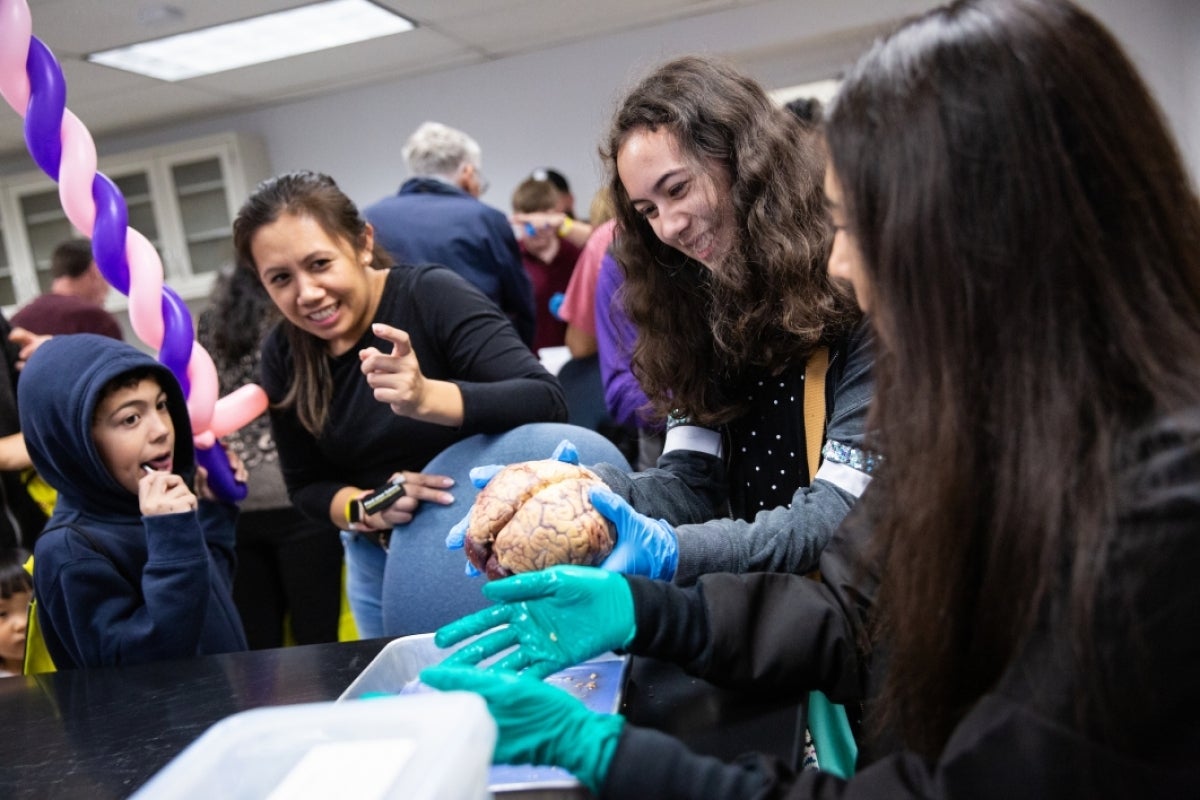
[(701, 331)]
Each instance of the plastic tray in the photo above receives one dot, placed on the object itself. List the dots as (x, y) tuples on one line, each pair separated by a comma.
[(599, 683)]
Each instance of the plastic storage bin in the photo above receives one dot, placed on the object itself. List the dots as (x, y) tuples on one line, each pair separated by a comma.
[(599, 683), (420, 747)]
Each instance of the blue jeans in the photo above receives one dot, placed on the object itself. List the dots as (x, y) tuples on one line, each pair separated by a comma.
[(365, 561), (423, 584)]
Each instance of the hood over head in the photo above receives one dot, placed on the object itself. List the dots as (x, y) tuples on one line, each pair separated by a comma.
[(57, 394)]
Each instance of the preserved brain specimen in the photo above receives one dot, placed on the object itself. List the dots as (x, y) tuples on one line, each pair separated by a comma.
[(534, 515)]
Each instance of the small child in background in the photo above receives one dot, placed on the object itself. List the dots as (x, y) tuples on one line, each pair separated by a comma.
[(16, 592), (132, 566)]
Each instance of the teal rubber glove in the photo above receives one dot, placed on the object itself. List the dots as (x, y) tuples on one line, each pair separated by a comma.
[(647, 547), (555, 618), (538, 724)]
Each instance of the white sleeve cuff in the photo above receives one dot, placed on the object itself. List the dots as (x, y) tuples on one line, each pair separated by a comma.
[(846, 478), (693, 437)]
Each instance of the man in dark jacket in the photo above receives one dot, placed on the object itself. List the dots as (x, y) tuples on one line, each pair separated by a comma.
[(437, 218)]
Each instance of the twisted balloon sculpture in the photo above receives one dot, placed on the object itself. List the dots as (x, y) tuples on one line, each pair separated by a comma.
[(31, 81)]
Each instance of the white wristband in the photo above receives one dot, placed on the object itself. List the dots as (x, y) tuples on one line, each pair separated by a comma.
[(693, 437)]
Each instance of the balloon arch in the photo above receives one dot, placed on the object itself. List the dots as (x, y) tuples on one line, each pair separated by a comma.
[(31, 81)]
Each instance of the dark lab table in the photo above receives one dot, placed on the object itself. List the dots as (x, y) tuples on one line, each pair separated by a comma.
[(103, 733)]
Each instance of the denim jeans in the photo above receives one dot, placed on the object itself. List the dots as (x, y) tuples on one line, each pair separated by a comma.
[(423, 585), (365, 561)]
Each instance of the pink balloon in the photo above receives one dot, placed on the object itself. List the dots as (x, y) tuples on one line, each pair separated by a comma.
[(237, 408), (145, 289), (202, 374), (77, 172), (76, 178), (16, 26)]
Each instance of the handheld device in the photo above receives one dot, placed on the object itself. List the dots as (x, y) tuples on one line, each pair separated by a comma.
[(360, 507)]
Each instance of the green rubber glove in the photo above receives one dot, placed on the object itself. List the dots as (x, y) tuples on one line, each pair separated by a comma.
[(555, 618), (537, 723)]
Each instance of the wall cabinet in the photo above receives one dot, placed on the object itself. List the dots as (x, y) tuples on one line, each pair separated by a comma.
[(182, 197)]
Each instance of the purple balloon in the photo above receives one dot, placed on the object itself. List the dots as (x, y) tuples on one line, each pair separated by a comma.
[(44, 115), (220, 475), (47, 102)]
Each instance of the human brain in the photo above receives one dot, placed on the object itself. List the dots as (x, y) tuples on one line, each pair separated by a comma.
[(533, 515)]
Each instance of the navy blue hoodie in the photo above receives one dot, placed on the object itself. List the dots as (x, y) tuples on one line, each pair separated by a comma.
[(113, 587)]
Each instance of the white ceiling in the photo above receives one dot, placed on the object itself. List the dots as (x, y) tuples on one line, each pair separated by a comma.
[(450, 33)]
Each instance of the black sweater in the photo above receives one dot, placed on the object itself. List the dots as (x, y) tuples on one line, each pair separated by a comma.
[(1024, 738), (457, 335)]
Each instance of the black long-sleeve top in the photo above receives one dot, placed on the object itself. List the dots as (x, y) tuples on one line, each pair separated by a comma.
[(457, 335), (1025, 737)]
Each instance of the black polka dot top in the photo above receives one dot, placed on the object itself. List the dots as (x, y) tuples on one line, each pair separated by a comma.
[(767, 461)]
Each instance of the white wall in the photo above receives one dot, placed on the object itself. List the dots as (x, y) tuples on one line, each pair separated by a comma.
[(1163, 39), (551, 107)]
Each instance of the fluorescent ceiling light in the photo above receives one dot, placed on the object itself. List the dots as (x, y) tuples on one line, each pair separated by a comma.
[(253, 41)]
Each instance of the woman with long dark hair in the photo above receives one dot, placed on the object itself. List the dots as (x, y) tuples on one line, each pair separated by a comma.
[(381, 375), (1015, 598), (289, 567)]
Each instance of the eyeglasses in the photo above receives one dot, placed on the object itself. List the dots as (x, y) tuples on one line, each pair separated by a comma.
[(482, 180)]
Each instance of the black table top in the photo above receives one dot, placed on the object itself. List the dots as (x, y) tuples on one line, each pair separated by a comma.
[(102, 733)]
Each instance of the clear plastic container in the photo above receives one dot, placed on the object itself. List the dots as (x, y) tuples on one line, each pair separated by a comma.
[(420, 747), (599, 683)]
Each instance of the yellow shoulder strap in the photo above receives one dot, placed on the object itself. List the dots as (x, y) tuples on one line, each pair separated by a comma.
[(828, 724), (37, 657), (814, 407)]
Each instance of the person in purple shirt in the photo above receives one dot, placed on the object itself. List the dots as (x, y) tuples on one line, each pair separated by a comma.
[(615, 336)]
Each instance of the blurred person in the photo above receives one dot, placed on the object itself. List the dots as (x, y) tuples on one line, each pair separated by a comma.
[(75, 302), (549, 260), (564, 200), (16, 593), (437, 218), (21, 518)]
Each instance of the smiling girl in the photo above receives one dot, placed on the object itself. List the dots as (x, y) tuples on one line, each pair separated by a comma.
[(722, 238)]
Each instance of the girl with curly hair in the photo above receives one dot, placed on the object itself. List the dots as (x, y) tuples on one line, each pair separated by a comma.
[(722, 239)]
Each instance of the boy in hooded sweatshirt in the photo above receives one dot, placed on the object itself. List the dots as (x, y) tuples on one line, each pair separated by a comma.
[(132, 567)]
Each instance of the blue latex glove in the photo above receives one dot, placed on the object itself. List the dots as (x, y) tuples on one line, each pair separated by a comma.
[(555, 618), (647, 547), (556, 301), (565, 452), (537, 723)]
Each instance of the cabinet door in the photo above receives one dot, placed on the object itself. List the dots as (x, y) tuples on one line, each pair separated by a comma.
[(200, 192), (46, 226), (8, 294), (139, 201)]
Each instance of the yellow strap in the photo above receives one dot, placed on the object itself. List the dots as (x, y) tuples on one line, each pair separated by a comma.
[(828, 724), (814, 407), (37, 657)]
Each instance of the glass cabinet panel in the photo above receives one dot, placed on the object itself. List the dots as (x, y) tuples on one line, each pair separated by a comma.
[(200, 189), (8, 295), (46, 226)]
